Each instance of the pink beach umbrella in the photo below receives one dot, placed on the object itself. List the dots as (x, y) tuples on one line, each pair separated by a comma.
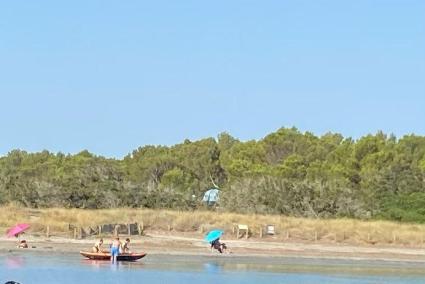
[(16, 230)]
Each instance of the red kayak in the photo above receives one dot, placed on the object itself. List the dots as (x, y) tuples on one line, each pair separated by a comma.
[(107, 256)]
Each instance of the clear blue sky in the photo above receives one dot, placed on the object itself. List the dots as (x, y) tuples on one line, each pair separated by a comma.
[(109, 76)]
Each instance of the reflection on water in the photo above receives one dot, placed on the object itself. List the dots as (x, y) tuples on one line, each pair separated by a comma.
[(14, 261), (212, 267), (104, 264), (36, 268)]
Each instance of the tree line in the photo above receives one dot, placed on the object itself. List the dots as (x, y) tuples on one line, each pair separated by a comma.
[(287, 172)]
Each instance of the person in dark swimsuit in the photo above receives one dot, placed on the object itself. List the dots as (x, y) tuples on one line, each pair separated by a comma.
[(221, 247)]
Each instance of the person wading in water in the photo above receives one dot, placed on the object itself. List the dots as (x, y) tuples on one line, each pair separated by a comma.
[(115, 249)]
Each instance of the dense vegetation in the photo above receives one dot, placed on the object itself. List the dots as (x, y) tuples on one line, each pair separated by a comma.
[(287, 172)]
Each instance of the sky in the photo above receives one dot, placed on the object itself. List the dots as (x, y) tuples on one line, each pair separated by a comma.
[(110, 76)]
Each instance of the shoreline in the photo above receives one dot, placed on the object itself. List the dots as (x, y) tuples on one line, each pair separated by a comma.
[(177, 245)]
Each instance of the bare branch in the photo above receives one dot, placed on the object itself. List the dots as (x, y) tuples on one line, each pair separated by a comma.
[(215, 185)]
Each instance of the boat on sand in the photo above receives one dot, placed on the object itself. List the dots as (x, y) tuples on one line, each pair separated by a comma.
[(107, 256)]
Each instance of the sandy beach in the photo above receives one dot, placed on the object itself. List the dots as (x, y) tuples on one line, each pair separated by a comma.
[(161, 243)]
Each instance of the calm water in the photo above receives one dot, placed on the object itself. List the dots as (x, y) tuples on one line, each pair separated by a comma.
[(32, 268)]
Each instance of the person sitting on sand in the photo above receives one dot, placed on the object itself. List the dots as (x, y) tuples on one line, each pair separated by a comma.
[(97, 246), (115, 249), (124, 246), (221, 247), (23, 244)]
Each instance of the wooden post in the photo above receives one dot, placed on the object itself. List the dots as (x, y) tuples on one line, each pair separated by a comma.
[(343, 236), (202, 229), (237, 234), (75, 232), (169, 227), (141, 228), (287, 234), (99, 230), (80, 233), (394, 238), (128, 230), (233, 230), (247, 233), (261, 232), (48, 231)]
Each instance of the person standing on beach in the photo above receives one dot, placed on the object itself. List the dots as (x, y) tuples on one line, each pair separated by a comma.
[(115, 249)]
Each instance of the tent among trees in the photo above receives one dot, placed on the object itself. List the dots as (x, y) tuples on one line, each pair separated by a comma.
[(211, 196)]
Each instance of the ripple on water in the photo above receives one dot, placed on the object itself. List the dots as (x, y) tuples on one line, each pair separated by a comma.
[(33, 268)]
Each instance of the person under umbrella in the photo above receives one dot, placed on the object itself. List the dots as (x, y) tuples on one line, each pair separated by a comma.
[(216, 244), (213, 237), (17, 231), (23, 244)]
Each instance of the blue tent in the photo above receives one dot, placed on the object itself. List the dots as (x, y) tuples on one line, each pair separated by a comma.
[(211, 196)]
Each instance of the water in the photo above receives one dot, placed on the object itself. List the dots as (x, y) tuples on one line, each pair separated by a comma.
[(36, 267)]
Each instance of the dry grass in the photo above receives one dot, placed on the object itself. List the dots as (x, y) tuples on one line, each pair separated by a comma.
[(297, 229)]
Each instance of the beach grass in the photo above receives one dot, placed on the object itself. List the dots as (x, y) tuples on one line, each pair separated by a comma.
[(342, 230)]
